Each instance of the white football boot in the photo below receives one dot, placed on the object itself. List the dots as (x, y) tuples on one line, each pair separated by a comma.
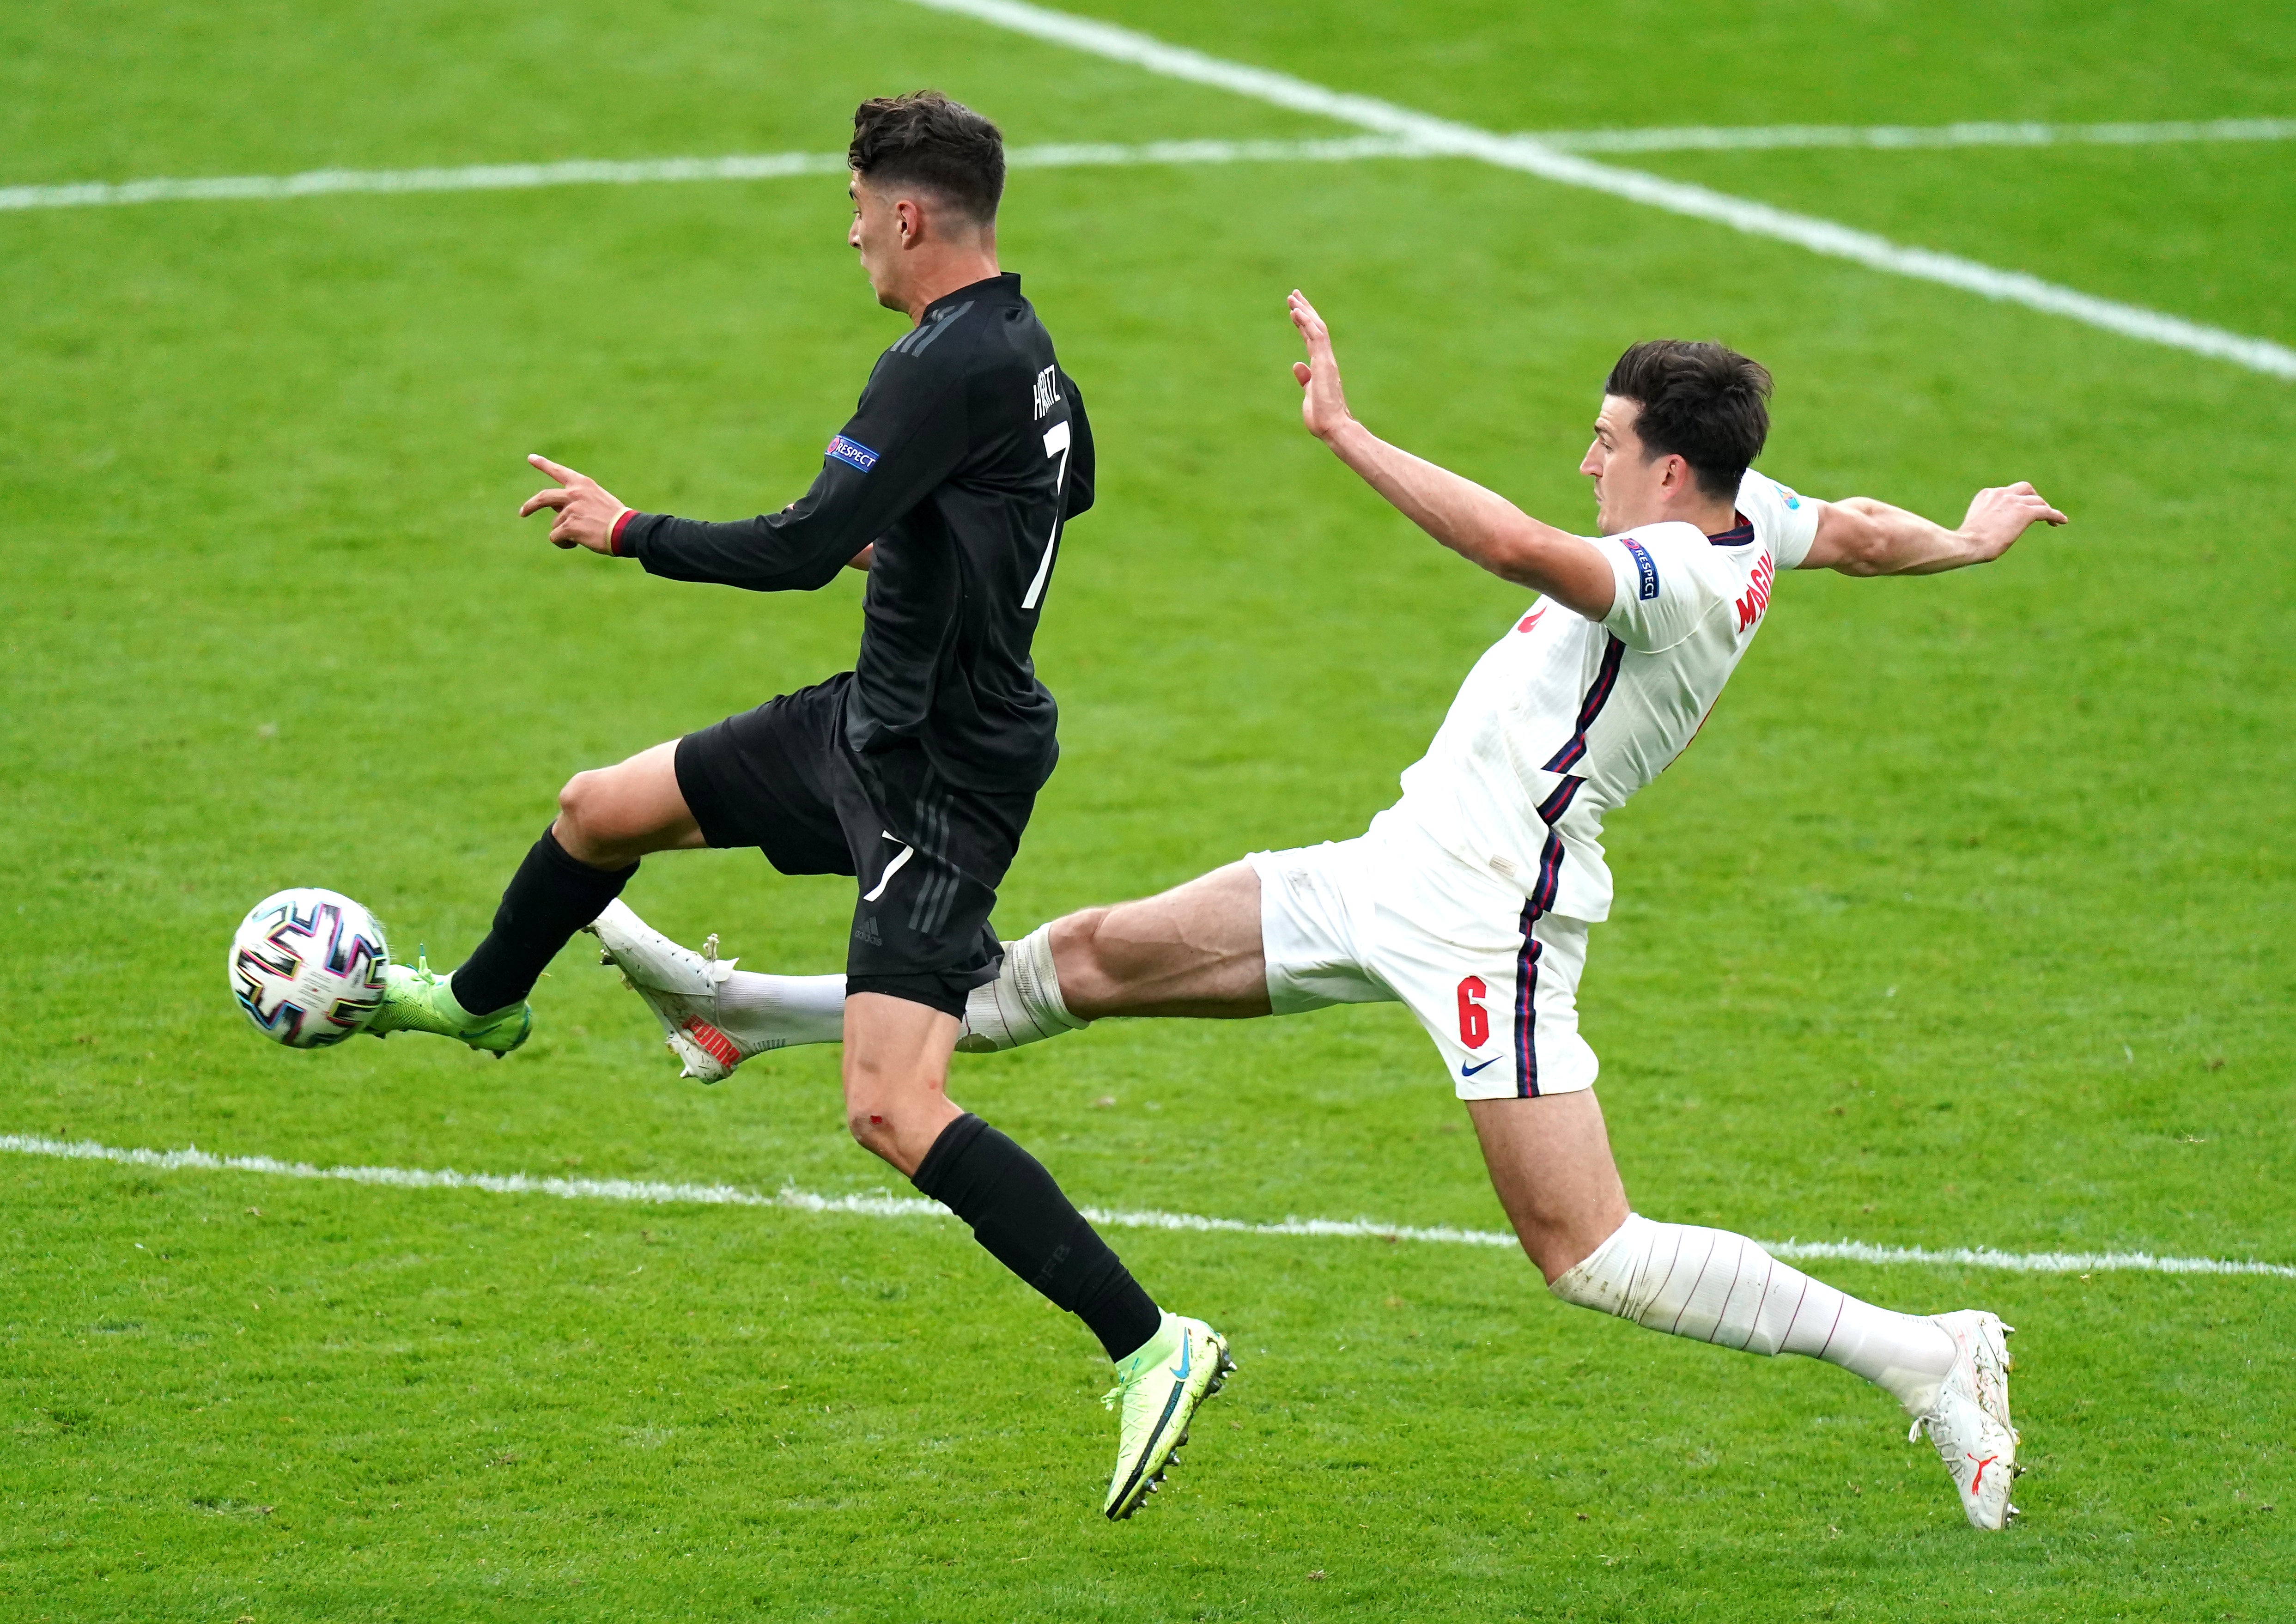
[(680, 986), (1969, 1424)]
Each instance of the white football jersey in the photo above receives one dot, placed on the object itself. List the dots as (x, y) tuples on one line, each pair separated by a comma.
[(1565, 717)]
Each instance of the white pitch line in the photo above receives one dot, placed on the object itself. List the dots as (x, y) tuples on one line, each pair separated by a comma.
[(1897, 138), (472, 177), (604, 172), (1531, 156), (652, 1192), (772, 166)]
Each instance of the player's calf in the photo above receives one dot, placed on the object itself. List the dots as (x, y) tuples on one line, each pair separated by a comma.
[(1949, 1373), (1023, 1005)]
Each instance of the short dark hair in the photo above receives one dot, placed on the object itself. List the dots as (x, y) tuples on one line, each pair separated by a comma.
[(927, 141), (1703, 403)]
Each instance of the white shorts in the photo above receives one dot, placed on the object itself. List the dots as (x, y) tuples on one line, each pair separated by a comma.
[(1387, 918)]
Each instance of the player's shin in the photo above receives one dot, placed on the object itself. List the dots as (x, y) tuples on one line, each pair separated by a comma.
[(1722, 1288), (1019, 1215), (1023, 1005), (550, 896)]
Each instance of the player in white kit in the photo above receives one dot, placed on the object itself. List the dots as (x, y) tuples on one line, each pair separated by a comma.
[(1469, 901)]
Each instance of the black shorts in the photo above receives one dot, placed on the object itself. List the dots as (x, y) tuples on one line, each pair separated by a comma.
[(928, 856)]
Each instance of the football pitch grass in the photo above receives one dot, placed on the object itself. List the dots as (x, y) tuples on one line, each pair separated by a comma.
[(1966, 921)]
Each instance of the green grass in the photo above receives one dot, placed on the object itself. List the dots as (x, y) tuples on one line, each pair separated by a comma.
[(1967, 921)]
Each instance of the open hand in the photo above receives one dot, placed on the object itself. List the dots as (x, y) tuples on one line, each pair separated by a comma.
[(1324, 404), (585, 510), (1997, 516)]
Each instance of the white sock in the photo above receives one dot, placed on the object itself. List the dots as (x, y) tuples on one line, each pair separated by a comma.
[(782, 1009), (1023, 1005), (1722, 1288)]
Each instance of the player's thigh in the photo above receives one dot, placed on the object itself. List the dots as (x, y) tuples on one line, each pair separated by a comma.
[(1193, 950), (773, 778), (1551, 1164), (622, 812)]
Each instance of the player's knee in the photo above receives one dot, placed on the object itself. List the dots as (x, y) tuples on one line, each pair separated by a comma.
[(1080, 960), (877, 1128), (578, 803), (588, 826), (870, 1127)]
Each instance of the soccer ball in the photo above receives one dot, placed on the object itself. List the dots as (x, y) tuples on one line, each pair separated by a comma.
[(306, 966)]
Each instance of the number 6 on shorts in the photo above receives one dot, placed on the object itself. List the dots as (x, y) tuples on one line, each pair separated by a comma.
[(1474, 1020)]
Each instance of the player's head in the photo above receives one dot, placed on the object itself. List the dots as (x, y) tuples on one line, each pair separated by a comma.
[(927, 175), (1680, 424)]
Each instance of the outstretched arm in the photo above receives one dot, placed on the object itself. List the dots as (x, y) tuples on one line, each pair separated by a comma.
[(1862, 536), (1478, 524), (583, 513)]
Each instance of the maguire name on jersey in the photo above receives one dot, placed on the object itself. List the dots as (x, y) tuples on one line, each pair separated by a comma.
[(1565, 717)]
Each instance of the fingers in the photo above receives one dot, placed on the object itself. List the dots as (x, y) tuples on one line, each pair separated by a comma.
[(1304, 317), (1302, 372), (553, 499), (564, 476), (2032, 504)]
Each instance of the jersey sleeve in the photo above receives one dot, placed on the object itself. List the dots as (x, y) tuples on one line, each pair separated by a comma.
[(907, 435), (1785, 520), (1079, 497), (1665, 585)]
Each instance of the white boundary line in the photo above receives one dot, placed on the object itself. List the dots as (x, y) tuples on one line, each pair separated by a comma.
[(1897, 138), (771, 166), (603, 172), (756, 166), (1534, 157), (651, 1193)]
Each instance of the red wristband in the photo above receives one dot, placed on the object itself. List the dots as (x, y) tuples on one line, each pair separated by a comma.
[(614, 535)]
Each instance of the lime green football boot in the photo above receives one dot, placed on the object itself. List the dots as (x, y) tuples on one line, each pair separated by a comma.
[(1159, 1390), (418, 1001)]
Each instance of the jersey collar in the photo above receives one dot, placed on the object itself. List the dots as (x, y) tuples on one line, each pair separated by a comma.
[(1738, 535), (1001, 290)]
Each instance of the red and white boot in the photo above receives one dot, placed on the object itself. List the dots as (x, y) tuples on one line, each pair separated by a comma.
[(680, 986), (1969, 1424)]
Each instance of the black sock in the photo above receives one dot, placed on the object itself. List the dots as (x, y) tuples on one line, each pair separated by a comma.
[(549, 899), (1019, 1214)]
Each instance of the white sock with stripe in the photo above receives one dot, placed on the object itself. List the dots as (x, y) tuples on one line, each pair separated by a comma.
[(1722, 1288), (1023, 1005), (782, 1009)]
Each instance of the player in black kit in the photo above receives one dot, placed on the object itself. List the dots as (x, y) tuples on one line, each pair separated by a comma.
[(915, 772)]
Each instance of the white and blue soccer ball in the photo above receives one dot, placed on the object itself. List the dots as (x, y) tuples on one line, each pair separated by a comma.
[(306, 966)]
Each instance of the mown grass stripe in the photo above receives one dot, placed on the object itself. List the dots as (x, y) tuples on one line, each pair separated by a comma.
[(1530, 156), (658, 1193)]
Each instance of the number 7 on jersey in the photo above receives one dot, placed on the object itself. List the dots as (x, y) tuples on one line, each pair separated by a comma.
[(1056, 445)]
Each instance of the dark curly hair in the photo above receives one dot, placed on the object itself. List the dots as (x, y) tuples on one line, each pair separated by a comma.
[(928, 142), (1703, 403)]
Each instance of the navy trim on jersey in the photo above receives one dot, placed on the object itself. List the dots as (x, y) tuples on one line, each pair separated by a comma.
[(1737, 535), (1551, 809), (1526, 1013), (1598, 694), (1549, 874)]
